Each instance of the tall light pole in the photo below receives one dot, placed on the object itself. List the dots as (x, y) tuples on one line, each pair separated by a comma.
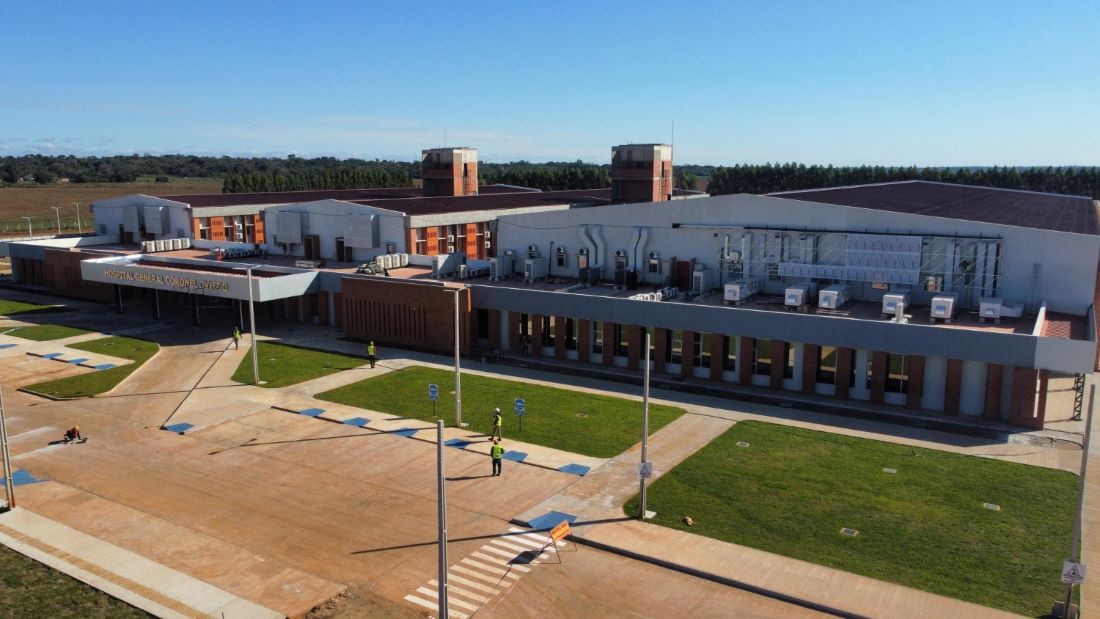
[(1075, 545), (79, 228), (441, 491), (458, 370), (57, 209), (645, 432), (30, 227), (252, 327)]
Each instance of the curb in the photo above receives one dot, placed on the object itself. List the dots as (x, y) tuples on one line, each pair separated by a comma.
[(49, 397)]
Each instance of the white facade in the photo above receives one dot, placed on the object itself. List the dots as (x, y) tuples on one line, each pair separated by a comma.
[(164, 219), (365, 229)]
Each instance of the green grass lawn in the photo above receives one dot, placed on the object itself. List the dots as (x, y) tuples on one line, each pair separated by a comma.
[(282, 365), (9, 307), (42, 333), (792, 490), (584, 423), (30, 589), (102, 381)]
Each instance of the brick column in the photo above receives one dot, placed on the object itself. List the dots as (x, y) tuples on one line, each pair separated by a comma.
[(633, 346), (810, 353), (584, 340), (687, 362), (878, 377), (322, 307), (844, 359), (659, 349), (1041, 409), (608, 342), (1021, 407), (536, 335), (717, 355), (745, 355), (494, 329), (952, 391), (915, 394), (994, 380), (559, 338), (778, 361), (514, 333)]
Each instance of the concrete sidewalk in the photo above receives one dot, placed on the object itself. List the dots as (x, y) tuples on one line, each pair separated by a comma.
[(125, 575)]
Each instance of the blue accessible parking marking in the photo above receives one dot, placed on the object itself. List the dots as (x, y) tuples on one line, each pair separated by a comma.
[(7, 345), (457, 442), (104, 366), (21, 478), (550, 520), (515, 456), (406, 432), (51, 355), (575, 469), (358, 422), (77, 361), (311, 412), (178, 427)]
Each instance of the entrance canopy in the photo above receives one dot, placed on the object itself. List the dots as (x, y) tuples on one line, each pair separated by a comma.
[(198, 276)]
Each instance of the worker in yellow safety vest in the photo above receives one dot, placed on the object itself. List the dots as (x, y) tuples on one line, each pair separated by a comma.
[(497, 453), (370, 353), (497, 423)]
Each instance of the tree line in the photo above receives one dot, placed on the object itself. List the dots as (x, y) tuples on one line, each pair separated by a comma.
[(768, 178), (293, 173)]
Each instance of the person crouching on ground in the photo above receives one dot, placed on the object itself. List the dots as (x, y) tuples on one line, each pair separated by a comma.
[(73, 434)]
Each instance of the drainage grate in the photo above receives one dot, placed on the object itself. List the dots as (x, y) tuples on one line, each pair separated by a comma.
[(889, 470), (992, 507), (742, 444), (849, 532)]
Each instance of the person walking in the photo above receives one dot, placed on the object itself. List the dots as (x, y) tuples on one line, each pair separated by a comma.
[(236, 338), (370, 353), (497, 453), (497, 423)]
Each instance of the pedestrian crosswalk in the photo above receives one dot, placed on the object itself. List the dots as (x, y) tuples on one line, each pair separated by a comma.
[(486, 572), (142, 329)]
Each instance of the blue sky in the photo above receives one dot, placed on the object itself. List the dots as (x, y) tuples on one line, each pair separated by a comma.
[(842, 82)]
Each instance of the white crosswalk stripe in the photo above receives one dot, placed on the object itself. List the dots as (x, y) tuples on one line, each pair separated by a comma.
[(485, 572)]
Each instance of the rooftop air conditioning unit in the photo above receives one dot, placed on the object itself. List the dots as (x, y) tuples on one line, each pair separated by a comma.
[(833, 297), (238, 226), (240, 236), (943, 307), (740, 290), (531, 248), (619, 253), (891, 300), (450, 249), (560, 250), (488, 244), (488, 234), (991, 307), (450, 238), (654, 255), (583, 251), (798, 295)]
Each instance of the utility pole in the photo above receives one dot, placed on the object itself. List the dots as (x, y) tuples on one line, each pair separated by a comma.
[(442, 518), (645, 432), (252, 327), (7, 470), (57, 209), (79, 228), (1074, 553), (30, 227)]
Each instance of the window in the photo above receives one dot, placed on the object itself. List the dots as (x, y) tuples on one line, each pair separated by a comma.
[(597, 337), (762, 357), (788, 356), (525, 325), (547, 330), (676, 346), (897, 374), (421, 241), (701, 349), (621, 345), (560, 260), (826, 365), (570, 334), (582, 261), (729, 362)]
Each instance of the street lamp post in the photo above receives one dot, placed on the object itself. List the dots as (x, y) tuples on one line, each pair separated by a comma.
[(79, 228), (252, 327), (458, 371), (8, 470), (645, 433), (57, 210), (441, 516), (30, 227)]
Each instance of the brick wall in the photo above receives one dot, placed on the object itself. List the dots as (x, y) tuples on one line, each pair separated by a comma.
[(403, 314), (61, 275), (952, 391)]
